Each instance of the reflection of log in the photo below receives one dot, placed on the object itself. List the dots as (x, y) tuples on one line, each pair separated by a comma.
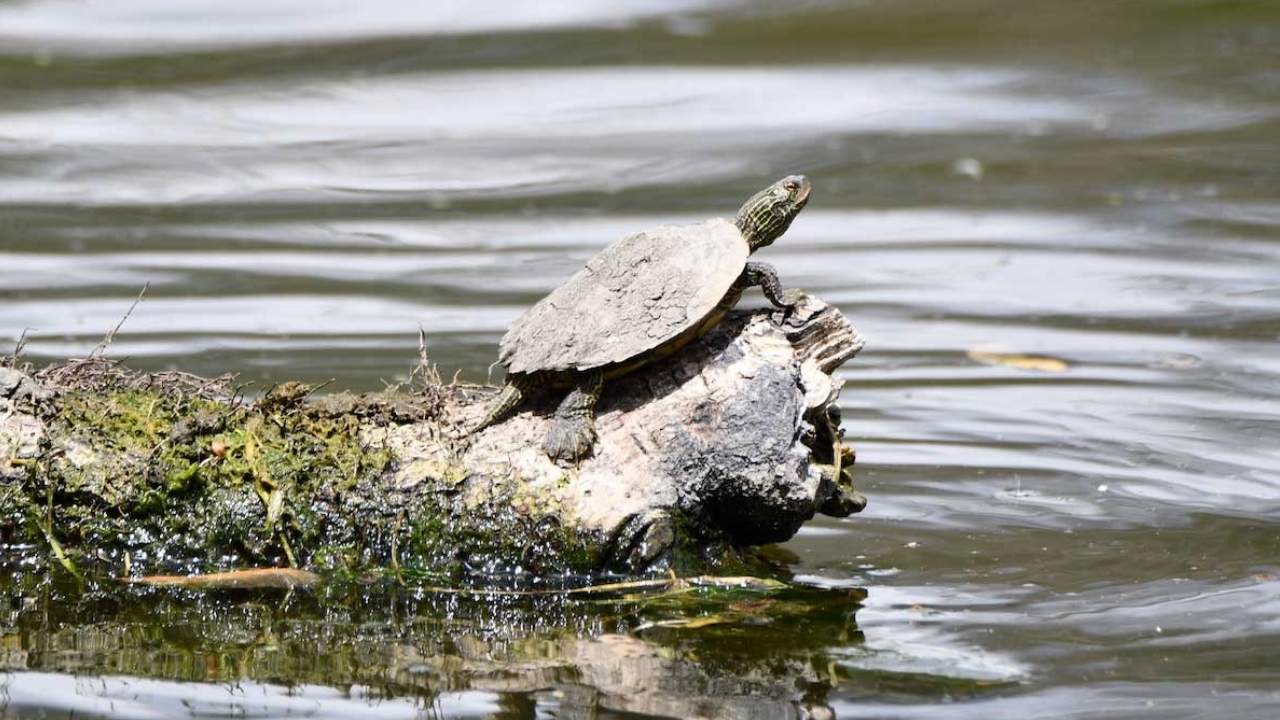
[(727, 444), (770, 655)]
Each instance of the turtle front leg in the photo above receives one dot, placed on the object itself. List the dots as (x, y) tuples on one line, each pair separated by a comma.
[(573, 431), (763, 274)]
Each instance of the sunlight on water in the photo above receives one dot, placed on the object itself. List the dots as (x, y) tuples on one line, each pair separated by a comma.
[(134, 25), (303, 185)]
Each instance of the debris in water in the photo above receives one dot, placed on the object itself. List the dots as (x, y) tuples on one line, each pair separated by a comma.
[(968, 167), (1035, 363), (287, 578)]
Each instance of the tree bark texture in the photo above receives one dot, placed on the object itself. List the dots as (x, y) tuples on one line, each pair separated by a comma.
[(732, 443)]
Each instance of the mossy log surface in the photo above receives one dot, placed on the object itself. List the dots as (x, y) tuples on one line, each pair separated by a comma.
[(732, 443)]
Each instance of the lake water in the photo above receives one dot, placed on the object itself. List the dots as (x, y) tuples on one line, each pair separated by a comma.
[(303, 184)]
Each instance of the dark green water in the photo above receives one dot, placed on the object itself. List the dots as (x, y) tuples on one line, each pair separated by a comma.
[(304, 184)]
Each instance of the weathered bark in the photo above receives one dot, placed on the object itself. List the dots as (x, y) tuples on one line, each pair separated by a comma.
[(731, 443)]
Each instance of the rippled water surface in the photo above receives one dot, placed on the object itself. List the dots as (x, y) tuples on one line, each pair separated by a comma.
[(303, 184)]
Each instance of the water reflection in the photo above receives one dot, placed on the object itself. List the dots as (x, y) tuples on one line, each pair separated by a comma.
[(345, 650), (304, 183)]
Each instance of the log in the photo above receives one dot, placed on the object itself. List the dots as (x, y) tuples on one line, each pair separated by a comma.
[(732, 443)]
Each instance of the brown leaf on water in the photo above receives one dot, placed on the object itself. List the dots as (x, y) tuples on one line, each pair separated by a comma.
[(238, 579), (1035, 363)]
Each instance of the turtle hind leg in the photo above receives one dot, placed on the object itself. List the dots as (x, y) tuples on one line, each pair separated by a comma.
[(573, 431), (504, 403)]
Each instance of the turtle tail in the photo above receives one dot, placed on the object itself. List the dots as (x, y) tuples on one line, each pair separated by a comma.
[(503, 404)]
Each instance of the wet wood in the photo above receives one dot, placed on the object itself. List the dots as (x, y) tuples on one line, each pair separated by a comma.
[(731, 443)]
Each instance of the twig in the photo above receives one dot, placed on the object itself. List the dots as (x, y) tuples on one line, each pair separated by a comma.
[(58, 552), (672, 582), (19, 347), (316, 388), (288, 551), (290, 577), (426, 372), (257, 578), (111, 336), (395, 550), (46, 527)]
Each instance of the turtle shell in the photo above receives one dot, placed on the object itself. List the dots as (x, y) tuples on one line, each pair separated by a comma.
[(633, 296)]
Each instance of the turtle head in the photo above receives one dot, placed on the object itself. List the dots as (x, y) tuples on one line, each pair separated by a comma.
[(769, 212)]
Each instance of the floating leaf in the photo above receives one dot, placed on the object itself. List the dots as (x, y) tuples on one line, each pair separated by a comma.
[(1035, 363)]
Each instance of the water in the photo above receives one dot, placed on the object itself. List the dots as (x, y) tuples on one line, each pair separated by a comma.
[(304, 184)]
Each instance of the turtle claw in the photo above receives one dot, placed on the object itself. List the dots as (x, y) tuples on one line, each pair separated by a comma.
[(790, 301), (569, 439), (786, 313), (783, 314)]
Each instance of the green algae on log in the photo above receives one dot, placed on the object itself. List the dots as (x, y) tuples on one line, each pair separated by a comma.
[(729, 444)]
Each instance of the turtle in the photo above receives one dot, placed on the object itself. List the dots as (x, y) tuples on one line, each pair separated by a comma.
[(638, 300)]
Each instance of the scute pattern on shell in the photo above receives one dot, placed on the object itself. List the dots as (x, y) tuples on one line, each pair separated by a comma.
[(632, 297)]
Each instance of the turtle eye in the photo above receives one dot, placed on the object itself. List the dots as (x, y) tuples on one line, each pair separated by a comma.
[(791, 185)]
